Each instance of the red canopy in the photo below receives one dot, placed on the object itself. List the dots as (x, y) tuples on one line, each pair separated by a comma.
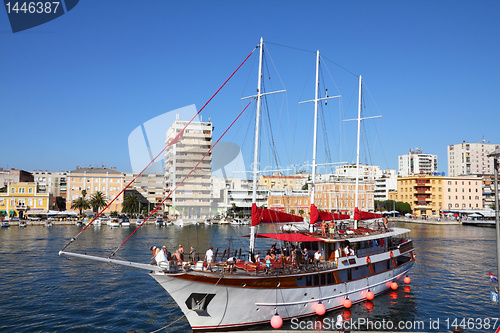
[(317, 215), (360, 215), (264, 215)]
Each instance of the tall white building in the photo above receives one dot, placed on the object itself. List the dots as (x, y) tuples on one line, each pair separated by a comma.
[(192, 197), (470, 158), (415, 162), (369, 172)]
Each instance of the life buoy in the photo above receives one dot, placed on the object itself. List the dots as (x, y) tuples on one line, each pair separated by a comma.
[(368, 260), (391, 254)]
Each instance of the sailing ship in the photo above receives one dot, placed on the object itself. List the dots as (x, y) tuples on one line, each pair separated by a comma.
[(355, 265)]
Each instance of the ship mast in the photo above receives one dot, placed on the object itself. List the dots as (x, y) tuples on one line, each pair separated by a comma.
[(256, 147), (316, 100), (356, 201)]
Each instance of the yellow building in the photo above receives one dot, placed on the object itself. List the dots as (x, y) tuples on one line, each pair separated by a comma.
[(91, 179), (428, 195), (23, 199)]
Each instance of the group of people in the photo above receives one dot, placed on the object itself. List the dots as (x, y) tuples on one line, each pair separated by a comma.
[(162, 254)]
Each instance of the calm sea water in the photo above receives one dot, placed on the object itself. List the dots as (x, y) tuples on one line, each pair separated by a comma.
[(42, 292)]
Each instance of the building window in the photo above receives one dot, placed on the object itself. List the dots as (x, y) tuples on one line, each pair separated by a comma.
[(13, 190), (30, 190)]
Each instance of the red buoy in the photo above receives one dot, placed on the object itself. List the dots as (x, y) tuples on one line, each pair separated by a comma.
[(347, 303), (394, 285), (407, 280), (276, 321), (320, 309), (370, 295)]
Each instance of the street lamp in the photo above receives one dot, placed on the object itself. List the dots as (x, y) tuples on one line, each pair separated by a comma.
[(495, 156)]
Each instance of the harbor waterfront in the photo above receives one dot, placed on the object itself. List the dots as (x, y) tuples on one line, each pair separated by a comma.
[(42, 292)]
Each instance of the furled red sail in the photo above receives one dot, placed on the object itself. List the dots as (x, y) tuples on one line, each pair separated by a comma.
[(317, 215), (360, 215), (265, 215)]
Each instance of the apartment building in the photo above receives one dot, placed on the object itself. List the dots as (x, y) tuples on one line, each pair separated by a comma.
[(365, 171), (149, 189), (415, 162), (428, 195), (8, 176), (51, 182), (23, 199), (280, 181), (94, 179), (470, 158), (340, 195), (192, 198)]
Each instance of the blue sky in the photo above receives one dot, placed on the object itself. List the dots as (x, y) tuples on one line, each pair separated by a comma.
[(74, 88)]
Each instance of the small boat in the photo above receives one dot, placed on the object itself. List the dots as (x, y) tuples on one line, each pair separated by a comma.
[(125, 222), (159, 221), (97, 223), (5, 224), (114, 223), (23, 224), (139, 222), (49, 224)]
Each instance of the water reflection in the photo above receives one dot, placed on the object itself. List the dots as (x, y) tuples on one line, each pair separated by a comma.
[(41, 291)]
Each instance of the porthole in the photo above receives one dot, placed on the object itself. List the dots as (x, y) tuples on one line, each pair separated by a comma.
[(243, 285)]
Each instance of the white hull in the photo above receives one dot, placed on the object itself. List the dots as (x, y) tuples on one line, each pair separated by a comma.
[(232, 307)]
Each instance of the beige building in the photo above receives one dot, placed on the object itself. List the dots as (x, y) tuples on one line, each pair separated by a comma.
[(91, 179), (281, 182), (428, 195), (470, 159), (192, 198), (150, 190), (293, 203), (51, 182), (340, 195)]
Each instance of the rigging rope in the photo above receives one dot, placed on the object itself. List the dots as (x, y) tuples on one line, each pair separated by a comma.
[(173, 141)]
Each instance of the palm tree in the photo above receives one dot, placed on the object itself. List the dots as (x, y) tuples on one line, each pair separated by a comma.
[(301, 212), (80, 204), (130, 204), (97, 201)]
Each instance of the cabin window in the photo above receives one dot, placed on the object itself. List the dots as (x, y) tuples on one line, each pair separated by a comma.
[(360, 272), (343, 275)]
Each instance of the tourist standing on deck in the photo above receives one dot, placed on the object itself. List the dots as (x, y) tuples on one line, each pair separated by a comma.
[(209, 256), (192, 254)]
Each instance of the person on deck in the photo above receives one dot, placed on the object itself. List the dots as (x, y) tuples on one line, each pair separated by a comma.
[(323, 228), (154, 251), (331, 226), (268, 258), (160, 257), (192, 254), (317, 256), (305, 254), (209, 256), (180, 252)]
